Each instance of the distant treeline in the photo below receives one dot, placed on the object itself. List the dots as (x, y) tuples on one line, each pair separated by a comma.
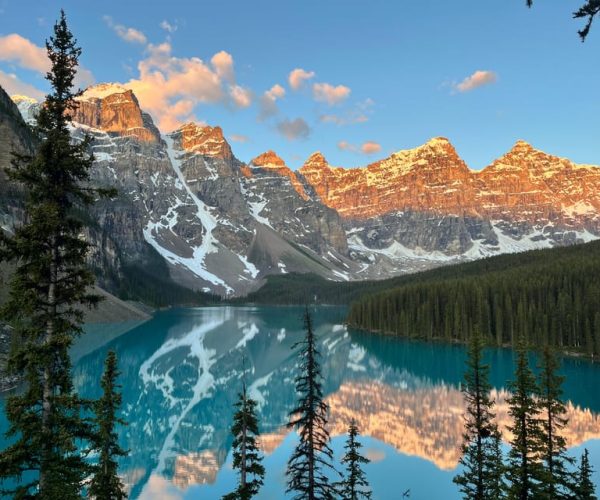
[(547, 296), (151, 283)]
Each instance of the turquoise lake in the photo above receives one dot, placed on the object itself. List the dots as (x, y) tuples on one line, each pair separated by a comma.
[(182, 370)]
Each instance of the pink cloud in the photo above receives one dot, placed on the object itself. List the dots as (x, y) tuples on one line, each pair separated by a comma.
[(240, 96), (346, 146), (367, 148), (15, 48), (25, 54), (169, 87), (330, 94), (268, 102), (239, 138), (370, 147), (298, 76), (477, 79), (223, 64)]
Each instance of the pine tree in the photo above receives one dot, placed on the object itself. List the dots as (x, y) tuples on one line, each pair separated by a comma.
[(524, 468), (494, 464), (106, 484), (557, 482), (481, 459), (585, 489), (246, 456), (305, 469), (589, 10), (355, 485), (47, 293)]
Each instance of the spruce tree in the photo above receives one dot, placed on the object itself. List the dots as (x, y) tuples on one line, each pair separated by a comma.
[(524, 469), (585, 489), (588, 11), (246, 456), (106, 484), (481, 459), (557, 481), (355, 485), (305, 468), (47, 293)]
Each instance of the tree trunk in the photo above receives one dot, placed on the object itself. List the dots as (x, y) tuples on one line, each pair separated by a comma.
[(244, 437), (48, 391)]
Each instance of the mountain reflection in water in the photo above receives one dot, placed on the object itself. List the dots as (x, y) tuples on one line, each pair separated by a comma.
[(182, 372)]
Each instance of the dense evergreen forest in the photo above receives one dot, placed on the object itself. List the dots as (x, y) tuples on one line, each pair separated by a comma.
[(547, 296), (152, 284)]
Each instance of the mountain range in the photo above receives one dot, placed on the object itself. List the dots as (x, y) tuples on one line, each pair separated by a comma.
[(187, 206)]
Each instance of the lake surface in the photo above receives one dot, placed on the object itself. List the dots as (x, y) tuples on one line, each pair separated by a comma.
[(182, 370)]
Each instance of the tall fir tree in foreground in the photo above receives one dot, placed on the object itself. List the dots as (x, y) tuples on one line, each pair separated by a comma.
[(246, 455), (585, 489), (306, 467), (354, 486), (106, 483), (557, 480), (524, 469), (481, 477), (47, 293)]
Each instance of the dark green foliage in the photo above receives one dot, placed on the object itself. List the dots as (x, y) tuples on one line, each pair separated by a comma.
[(550, 296), (481, 459), (305, 469), (151, 283), (46, 294), (106, 484), (294, 288), (525, 471), (557, 481), (587, 11), (354, 486), (585, 489), (246, 456)]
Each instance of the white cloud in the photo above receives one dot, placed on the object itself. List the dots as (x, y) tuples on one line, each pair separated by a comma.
[(131, 35), (298, 76), (12, 85), (348, 119), (325, 92), (477, 79), (294, 129), (240, 96), (268, 102), (359, 113), (159, 487), (168, 27)]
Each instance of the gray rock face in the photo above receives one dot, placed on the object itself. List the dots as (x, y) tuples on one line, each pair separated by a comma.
[(222, 225)]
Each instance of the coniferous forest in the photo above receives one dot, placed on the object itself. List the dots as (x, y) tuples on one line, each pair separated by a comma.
[(548, 296)]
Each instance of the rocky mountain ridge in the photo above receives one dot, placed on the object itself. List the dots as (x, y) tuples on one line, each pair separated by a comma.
[(222, 225)]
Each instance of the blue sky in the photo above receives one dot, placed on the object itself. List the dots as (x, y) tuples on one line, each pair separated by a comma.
[(386, 75)]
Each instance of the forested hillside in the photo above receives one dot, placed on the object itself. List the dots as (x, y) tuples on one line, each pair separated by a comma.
[(548, 296)]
